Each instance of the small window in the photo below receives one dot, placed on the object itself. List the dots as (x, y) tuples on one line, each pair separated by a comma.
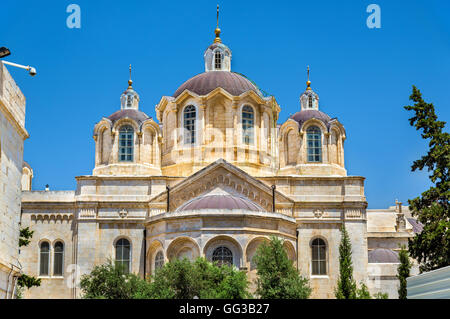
[(218, 57), (58, 259), (223, 256), (310, 102), (189, 115), (159, 260), (126, 143), (44, 259), (319, 257), (314, 144), (129, 101), (123, 254), (248, 123)]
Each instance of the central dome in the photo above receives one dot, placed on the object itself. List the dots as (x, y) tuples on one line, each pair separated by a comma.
[(206, 82)]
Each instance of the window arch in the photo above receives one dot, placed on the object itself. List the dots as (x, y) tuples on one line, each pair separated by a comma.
[(319, 257), (159, 260), (314, 144), (218, 59), (223, 256), (129, 101), (126, 143), (123, 253), (58, 258), (189, 116), (310, 102), (248, 123), (44, 258)]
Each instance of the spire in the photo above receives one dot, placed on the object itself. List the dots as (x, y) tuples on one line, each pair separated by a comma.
[(130, 82), (308, 83), (217, 31)]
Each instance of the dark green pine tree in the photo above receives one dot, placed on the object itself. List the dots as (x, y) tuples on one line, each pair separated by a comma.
[(432, 246), (346, 287), (403, 272)]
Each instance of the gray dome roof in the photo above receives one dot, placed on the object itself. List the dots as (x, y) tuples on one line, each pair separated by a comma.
[(206, 82), (305, 115), (383, 255), (133, 114), (220, 202)]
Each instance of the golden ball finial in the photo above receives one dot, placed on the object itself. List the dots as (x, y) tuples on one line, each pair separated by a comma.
[(217, 39)]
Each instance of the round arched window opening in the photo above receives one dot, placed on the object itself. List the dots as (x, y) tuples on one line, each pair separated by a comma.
[(159, 260), (223, 256)]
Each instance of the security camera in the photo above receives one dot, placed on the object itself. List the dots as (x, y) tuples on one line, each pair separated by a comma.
[(33, 71)]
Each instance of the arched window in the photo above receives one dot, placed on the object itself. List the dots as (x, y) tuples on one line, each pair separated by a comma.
[(314, 143), (129, 101), (58, 259), (44, 260), (223, 256), (310, 102), (189, 116), (123, 254), (218, 57), (159, 260), (319, 257), (126, 143), (248, 123)]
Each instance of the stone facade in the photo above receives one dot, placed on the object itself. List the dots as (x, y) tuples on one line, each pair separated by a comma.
[(216, 177), (12, 136)]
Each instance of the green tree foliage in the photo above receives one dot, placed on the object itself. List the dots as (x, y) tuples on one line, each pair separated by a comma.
[(25, 236), (432, 246), (25, 281), (179, 279), (277, 277), (403, 272), (346, 287), (110, 281)]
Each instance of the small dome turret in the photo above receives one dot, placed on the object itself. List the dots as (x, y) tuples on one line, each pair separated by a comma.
[(217, 55), (129, 99), (309, 100)]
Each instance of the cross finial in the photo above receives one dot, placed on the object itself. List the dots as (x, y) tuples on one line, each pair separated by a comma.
[(217, 16), (308, 83), (217, 31), (130, 82)]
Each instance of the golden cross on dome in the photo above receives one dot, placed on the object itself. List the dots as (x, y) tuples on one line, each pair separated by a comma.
[(308, 83), (217, 31), (130, 82)]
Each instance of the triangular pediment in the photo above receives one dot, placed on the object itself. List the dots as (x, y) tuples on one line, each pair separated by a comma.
[(225, 177)]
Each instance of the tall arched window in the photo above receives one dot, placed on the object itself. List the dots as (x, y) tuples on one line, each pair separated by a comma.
[(44, 259), (58, 259), (319, 257), (126, 143), (223, 256), (248, 123), (218, 57), (310, 102), (189, 116), (129, 101), (314, 144), (159, 260), (123, 253)]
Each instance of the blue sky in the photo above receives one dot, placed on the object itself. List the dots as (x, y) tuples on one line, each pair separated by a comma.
[(363, 76)]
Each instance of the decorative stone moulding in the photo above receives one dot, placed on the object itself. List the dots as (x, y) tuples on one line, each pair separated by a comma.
[(87, 213), (123, 213), (318, 213)]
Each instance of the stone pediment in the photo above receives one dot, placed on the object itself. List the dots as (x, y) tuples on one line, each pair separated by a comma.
[(227, 178)]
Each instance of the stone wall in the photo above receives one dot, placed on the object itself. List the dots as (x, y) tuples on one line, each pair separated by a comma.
[(12, 136)]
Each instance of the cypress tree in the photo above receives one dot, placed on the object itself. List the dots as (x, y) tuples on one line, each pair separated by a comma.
[(346, 287), (403, 272)]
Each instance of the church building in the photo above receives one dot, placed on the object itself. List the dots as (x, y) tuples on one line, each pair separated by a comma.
[(214, 175)]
